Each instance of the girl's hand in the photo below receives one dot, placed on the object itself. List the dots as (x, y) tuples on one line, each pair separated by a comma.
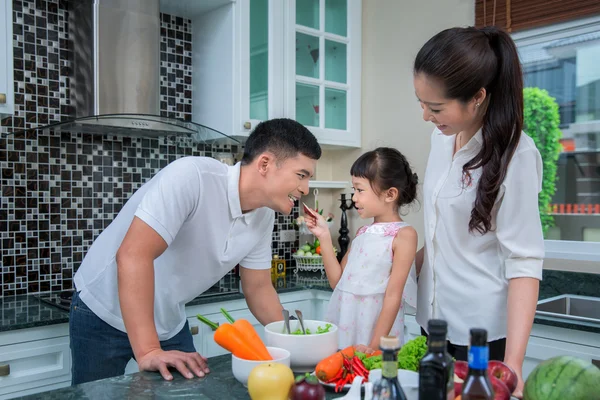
[(315, 223), (361, 348)]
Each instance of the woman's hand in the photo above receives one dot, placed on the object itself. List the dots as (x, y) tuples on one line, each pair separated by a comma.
[(316, 223), (518, 393)]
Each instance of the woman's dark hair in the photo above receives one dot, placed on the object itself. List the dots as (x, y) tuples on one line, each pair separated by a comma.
[(387, 168), (283, 137), (465, 60)]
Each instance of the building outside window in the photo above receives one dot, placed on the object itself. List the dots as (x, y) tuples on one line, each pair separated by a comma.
[(564, 59)]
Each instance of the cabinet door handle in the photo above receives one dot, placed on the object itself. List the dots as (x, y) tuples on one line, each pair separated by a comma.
[(596, 363), (2, 98), (194, 330), (5, 370), (247, 125)]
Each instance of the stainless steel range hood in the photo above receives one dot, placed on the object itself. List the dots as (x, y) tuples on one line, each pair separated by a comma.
[(114, 86)]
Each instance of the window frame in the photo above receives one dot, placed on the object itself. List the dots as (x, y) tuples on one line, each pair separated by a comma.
[(564, 255)]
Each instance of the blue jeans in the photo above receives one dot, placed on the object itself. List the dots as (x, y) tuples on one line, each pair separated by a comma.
[(100, 351)]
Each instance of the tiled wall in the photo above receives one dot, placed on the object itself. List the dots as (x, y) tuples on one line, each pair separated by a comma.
[(59, 191), (176, 67)]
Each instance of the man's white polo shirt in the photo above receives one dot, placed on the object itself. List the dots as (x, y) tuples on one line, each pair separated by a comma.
[(194, 205)]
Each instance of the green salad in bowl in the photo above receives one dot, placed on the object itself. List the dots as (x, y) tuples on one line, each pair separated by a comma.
[(320, 330)]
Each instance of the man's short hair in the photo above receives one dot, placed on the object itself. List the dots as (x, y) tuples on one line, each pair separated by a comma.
[(283, 137)]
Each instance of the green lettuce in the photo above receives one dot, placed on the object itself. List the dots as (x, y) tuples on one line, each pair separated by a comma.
[(409, 355)]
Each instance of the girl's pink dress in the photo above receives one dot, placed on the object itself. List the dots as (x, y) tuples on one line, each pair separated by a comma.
[(358, 297)]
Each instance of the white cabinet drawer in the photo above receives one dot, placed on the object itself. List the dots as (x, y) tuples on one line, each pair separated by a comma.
[(35, 364)]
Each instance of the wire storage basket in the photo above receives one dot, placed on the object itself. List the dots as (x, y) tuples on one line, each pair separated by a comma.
[(313, 263)]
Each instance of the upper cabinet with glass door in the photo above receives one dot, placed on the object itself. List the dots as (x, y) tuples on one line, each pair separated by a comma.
[(261, 61), (323, 54)]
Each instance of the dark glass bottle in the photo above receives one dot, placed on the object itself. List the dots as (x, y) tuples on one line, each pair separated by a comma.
[(436, 369), (388, 387), (478, 386)]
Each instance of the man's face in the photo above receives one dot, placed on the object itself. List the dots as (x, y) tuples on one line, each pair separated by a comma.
[(287, 182)]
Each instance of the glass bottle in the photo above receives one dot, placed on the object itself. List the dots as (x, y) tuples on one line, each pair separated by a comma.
[(388, 387), (436, 369), (478, 386)]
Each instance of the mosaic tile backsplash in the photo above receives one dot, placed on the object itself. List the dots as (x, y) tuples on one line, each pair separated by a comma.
[(59, 191), (175, 67)]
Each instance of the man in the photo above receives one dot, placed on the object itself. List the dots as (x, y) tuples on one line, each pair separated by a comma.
[(176, 237)]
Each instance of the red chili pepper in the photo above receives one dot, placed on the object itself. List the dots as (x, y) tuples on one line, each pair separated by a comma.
[(347, 364), (340, 384), (359, 367), (347, 379)]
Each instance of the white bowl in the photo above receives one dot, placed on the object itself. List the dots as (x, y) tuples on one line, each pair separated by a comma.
[(409, 380), (306, 350), (241, 368)]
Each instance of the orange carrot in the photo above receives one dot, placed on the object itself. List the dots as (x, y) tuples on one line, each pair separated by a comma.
[(228, 337), (249, 334), (348, 351), (328, 367), (375, 353)]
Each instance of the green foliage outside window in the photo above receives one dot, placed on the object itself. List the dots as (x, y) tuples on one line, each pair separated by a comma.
[(541, 120)]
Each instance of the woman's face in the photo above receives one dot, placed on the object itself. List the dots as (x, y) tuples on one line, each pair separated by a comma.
[(450, 116)]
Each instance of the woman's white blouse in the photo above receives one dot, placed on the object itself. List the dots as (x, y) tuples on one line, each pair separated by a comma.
[(464, 279)]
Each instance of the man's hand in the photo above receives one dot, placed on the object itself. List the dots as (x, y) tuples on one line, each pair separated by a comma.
[(185, 363)]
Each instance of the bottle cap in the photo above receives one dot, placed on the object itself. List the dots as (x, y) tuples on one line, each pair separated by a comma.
[(478, 337), (275, 257), (437, 327), (389, 343)]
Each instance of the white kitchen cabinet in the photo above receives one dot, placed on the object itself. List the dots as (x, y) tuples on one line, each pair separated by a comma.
[(411, 328), (323, 68), (7, 103), (250, 63), (548, 341), (34, 360)]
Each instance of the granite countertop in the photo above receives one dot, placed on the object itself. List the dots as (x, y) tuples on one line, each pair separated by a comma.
[(27, 311), (218, 385)]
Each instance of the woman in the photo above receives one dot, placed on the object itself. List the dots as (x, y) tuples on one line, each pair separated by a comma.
[(482, 259)]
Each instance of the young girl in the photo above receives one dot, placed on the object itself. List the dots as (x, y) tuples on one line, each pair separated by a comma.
[(369, 284)]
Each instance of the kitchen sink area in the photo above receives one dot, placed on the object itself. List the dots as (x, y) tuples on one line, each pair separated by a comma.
[(578, 309)]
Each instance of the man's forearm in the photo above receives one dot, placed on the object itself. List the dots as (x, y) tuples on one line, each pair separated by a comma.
[(264, 303), (136, 296), (522, 301)]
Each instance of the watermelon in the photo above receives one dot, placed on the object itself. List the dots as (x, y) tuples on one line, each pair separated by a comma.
[(562, 378)]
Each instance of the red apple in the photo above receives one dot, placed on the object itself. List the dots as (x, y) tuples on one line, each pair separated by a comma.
[(504, 373), (500, 390), (461, 368)]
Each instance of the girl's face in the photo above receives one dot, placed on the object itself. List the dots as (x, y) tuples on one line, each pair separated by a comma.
[(450, 116), (368, 203)]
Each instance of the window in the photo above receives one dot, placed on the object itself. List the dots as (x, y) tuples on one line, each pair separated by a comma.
[(563, 59)]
